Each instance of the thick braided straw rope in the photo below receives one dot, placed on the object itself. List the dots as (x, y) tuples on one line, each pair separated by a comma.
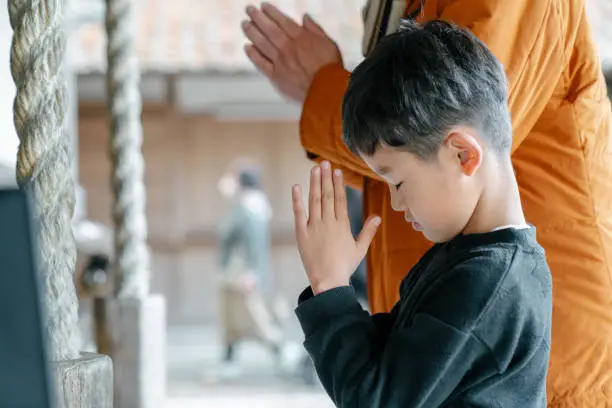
[(123, 77), (44, 159)]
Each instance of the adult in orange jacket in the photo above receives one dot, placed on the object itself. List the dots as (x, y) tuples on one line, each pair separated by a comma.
[(562, 154)]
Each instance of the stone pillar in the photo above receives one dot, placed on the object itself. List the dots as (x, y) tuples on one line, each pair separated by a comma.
[(84, 382), (44, 169), (137, 319), (138, 333)]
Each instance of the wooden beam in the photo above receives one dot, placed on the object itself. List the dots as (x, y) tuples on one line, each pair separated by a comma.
[(227, 97), (208, 238)]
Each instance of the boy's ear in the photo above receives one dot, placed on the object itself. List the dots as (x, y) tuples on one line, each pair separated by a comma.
[(466, 150)]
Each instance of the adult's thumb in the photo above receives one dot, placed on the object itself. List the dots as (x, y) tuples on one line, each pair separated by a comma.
[(365, 237)]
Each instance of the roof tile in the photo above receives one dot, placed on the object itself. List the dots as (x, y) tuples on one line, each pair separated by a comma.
[(186, 35), (205, 34)]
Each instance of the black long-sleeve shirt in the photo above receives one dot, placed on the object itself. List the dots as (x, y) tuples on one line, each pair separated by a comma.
[(472, 328)]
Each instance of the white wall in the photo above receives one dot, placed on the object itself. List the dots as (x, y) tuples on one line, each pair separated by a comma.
[(228, 97)]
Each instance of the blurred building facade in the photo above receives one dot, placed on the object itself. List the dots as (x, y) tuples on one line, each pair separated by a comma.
[(203, 105)]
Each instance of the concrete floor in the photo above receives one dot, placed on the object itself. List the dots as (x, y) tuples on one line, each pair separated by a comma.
[(195, 375), (269, 400)]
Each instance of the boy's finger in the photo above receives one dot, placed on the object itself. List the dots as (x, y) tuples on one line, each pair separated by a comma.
[(299, 212), (367, 235), (340, 196), (314, 200), (327, 188)]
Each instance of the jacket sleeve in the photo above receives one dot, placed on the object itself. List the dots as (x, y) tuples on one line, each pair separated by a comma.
[(527, 37), (321, 125), (351, 178), (362, 363)]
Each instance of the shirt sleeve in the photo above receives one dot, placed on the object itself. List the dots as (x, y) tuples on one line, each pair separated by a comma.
[(383, 322), (527, 37), (359, 367)]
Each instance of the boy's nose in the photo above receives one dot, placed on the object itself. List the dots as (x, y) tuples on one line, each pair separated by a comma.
[(396, 206), (396, 202)]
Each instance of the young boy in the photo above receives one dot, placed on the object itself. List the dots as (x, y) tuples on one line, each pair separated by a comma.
[(427, 112)]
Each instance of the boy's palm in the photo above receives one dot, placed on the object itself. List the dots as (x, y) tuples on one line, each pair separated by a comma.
[(328, 250)]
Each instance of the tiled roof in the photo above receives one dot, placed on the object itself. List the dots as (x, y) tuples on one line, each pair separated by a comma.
[(206, 35), (186, 35)]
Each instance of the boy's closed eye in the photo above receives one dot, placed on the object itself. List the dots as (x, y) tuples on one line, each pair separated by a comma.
[(398, 185)]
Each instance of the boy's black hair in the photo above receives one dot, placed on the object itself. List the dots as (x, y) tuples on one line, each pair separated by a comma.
[(420, 82)]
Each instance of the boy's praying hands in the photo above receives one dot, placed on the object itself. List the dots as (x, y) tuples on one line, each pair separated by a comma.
[(327, 248)]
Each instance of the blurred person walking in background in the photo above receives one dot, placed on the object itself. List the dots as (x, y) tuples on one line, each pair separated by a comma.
[(244, 246)]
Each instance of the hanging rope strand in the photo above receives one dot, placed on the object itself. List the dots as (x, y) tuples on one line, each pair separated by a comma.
[(44, 159), (131, 267)]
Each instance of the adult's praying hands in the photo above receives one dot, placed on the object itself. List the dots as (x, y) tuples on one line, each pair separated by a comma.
[(287, 53)]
